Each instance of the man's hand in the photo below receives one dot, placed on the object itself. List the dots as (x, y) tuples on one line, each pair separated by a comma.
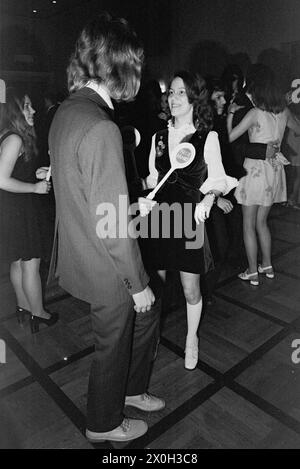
[(145, 205), (143, 300), (272, 149), (224, 204)]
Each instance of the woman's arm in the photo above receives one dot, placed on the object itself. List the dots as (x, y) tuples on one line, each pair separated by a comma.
[(217, 181), (10, 150), (151, 180), (243, 126)]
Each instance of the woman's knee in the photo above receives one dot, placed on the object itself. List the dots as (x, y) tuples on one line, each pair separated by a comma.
[(262, 219), (162, 274), (31, 267), (15, 267), (249, 224), (192, 294), (261, 225)]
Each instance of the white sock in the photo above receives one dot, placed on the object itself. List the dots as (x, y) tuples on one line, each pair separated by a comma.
[(193, 320)]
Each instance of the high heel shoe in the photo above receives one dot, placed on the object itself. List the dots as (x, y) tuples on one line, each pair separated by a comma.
[(21, 313), (268, 271), (35, 321), (252, 278)]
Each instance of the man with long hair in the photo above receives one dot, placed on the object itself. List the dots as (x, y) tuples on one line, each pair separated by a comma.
[(106, 271)]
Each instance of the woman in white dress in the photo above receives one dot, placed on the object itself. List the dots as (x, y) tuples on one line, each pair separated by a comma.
[(193, 189), (265, 182)]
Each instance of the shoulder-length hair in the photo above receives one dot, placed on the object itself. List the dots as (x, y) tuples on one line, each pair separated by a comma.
[(197, 95), (107, 51), (12, 118), (266, 94)]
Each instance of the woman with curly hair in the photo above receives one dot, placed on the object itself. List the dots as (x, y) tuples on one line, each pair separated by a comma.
[(20, 243), (194, 189)]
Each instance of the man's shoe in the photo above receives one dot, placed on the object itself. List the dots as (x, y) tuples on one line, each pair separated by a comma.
[(145, 402), (130, 429)]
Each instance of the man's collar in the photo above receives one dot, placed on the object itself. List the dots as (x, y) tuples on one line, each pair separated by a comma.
[(102, 91)]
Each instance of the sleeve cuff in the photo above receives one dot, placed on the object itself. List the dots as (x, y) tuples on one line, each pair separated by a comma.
[(224, 184)]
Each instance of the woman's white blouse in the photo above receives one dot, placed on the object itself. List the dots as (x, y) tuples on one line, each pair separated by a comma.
[(217, 179)]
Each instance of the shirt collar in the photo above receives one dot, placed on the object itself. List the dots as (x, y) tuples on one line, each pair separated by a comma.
[(185, 128), (102, 91)]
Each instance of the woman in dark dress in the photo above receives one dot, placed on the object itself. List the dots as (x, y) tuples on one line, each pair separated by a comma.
[(191, 191), (20, 243)]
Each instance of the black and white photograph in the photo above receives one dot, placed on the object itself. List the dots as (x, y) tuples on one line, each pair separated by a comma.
[(149, 228)]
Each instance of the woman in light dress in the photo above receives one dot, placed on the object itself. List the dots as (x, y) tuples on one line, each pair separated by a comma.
[(265, 182)]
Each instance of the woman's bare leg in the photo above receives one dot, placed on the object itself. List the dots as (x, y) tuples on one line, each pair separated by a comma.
[(264, 234), (16, 280), (162, 274), (249, 231), (32, 287)]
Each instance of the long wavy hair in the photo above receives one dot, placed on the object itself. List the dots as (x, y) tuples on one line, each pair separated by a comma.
[(197, 95), (107, 51), (12, 118)]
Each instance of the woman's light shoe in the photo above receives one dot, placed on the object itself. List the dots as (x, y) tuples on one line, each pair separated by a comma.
[(252, 278), (191, 355), (268, 271)]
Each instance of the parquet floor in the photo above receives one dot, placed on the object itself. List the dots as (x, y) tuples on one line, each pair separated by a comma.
[(245, 392)]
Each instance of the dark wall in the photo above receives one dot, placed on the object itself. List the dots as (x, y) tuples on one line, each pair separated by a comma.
[(198, 34)]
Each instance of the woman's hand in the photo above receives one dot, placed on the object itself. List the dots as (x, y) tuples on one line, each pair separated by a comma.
[(273, 148), (42, 187), (224, 204), (202, 209), (41, 173), (145, 206)]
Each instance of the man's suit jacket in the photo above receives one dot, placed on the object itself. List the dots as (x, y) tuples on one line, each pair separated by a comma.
[(88, 169), (241, 147)]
